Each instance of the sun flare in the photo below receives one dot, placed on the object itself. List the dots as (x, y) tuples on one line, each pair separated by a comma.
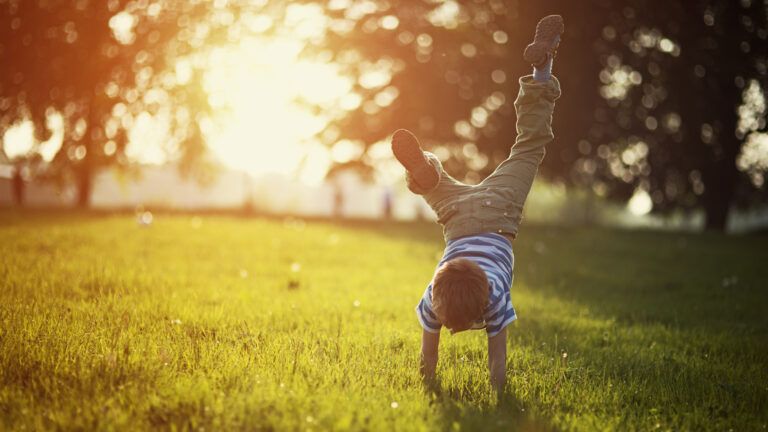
[(260, 89)]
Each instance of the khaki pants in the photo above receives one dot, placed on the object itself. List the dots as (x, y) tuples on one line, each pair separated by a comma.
[(496, 204)]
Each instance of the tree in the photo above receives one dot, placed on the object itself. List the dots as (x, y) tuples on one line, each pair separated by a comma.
[(454, 68), (98, 64), (630, 71), (682, 123)]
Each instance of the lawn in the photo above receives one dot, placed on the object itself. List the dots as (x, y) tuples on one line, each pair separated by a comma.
[(227, 323)]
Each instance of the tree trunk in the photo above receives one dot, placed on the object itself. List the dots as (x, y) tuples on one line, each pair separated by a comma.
[(86, 167), (84, 186), (721, 176), (17, 184), (720, 188), (716, 212)]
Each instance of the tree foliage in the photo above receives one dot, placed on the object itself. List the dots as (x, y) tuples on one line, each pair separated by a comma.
[(680, 129), (651, 94), (98, 65)]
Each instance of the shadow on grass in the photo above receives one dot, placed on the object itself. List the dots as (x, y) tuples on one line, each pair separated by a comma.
[(684, 281), (503, 414)]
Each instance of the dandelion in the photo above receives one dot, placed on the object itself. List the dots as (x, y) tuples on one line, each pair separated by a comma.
[(310, 419), (295, 267), (394, 405), (243, 273), (176, 321), (356, 303)]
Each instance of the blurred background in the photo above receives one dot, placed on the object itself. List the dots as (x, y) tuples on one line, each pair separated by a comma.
[(286, 107)]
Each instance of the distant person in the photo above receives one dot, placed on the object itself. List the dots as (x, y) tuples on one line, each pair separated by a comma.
[(471, 286), (338, 200), (387, 203)]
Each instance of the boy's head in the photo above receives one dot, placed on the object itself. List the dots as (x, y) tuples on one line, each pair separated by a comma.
[(459, 293)]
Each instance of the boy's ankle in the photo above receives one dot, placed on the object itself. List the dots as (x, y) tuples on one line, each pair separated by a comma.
[(543, 72)]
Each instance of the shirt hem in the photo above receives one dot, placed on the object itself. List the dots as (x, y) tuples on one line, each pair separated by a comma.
[(424, 323), (504, 325)]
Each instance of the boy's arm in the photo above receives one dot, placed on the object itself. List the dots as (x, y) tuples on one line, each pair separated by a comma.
[(429, 344), (497, 360)]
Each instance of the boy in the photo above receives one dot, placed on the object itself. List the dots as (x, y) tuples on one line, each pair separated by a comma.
[(471, 286)]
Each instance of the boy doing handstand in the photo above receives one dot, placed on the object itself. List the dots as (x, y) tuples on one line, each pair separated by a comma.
[(471, 285)]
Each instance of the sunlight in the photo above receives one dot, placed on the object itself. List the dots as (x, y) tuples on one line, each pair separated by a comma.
[(18, 141), (261, 91), (640, 204), (269, 103)]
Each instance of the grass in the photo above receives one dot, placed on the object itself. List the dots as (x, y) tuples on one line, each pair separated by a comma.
[(220, 323)]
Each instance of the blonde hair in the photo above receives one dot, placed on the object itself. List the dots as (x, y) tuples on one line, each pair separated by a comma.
[(459, 293)]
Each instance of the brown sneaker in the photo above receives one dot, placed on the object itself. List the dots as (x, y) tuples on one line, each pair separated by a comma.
[(408, 152), (547, 38)]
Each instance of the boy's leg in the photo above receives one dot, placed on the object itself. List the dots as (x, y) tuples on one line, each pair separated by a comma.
[(407, 150), (534, 106), (424, 172)]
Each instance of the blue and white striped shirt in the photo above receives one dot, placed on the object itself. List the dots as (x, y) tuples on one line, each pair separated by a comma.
[(493, 253)]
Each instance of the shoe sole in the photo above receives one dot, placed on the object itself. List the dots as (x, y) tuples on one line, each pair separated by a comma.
[(546, 31), (408, 152)]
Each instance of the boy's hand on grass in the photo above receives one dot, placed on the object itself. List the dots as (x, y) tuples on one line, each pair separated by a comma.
[(497, 360), (429, 346)]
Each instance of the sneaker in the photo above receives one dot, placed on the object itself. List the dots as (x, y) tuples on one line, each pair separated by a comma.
[(547, 38), (408, 152)]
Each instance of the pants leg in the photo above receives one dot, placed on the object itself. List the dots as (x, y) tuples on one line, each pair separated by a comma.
[(447, 187), (534, 105)]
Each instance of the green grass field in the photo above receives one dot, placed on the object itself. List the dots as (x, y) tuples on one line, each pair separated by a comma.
[(223, 323)]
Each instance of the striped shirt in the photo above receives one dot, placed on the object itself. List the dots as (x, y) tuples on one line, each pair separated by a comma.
[(493, 253)]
